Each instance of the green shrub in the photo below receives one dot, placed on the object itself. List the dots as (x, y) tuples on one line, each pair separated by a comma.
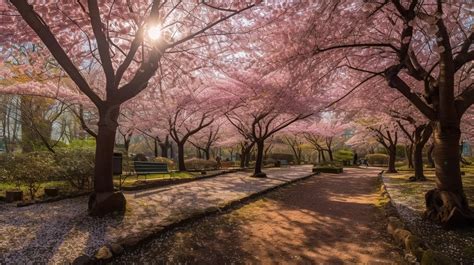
[(269, 161), (327, 169), (30, 170), (199, 164), (87, 143), (227, 164), (3, 171), (76, 166), (377, 159), (343, 155), (281, 156), (169, 162), (401, 164)]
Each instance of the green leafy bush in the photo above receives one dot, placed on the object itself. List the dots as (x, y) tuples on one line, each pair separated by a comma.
[(76, 166), (269, 161), (77, 143), (327, 169), (30, 170), (377, 159), (169, 162), (200, 164), (343, 155), (3, 171), (281, 156)]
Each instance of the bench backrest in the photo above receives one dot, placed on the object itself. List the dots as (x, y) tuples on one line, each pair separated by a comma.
[(142, 167)]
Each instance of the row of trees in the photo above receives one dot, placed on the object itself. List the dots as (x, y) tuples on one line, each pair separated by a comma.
[(258, 67)]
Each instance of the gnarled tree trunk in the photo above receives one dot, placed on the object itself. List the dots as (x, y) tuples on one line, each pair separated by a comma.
[(392, 156), (259, 160), (447, 204), (104, 200)]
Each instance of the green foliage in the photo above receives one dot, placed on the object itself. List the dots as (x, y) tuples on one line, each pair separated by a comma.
[(30, 170), (76, 166), (200, 164), (401, 164), (86, 143), (377, 159), (282, 156), (400, 151), (169, 162), (328, 169), (269, 161), (3, 171), (343, 155)]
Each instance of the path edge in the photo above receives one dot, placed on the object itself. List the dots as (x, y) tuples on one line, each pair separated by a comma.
[(416, 250)]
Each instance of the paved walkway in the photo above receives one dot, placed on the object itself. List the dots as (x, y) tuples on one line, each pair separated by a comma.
[(326, 219), (58, 232)]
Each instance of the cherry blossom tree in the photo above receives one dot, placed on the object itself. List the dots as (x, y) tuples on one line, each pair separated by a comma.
[(260, 106), (206, 138), (405, 43), (126, 41)]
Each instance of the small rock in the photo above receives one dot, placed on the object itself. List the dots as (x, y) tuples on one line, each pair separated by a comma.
[(400, 235), (410, 258), (117, 249), (82, 260), (394, 224), (103, 253), (415, 246)]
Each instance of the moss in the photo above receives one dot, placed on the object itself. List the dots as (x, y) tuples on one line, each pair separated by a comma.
[(431, 257), (468, 251)]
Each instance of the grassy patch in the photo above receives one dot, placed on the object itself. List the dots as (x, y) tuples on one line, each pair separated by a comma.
[(132, 180), (412, 194), (64, 187)]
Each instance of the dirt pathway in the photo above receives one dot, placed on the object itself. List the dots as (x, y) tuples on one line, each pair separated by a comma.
[(327, 219)]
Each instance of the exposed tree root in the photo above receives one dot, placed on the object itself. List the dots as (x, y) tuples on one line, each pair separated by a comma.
[(448, 209)]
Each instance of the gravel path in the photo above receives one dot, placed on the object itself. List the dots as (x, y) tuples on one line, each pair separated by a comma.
[(326, 219), (58, 232)]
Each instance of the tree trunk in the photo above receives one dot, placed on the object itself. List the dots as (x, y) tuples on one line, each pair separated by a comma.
[(247, 152), (331, 158), (447, 204), (104, 200), (259, 160), (164, 148), (155, 149), (103, 157), (181, 165), (242, 157), (392, 155), (171, 151), (418, 162), (430, 156), (207, 153), (409, 155)]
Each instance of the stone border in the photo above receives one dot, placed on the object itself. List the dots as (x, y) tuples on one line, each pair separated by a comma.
[(417, 251), (107, 252)]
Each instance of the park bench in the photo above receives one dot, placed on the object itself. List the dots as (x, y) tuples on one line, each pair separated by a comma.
[(284, 163), (145, 168)]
